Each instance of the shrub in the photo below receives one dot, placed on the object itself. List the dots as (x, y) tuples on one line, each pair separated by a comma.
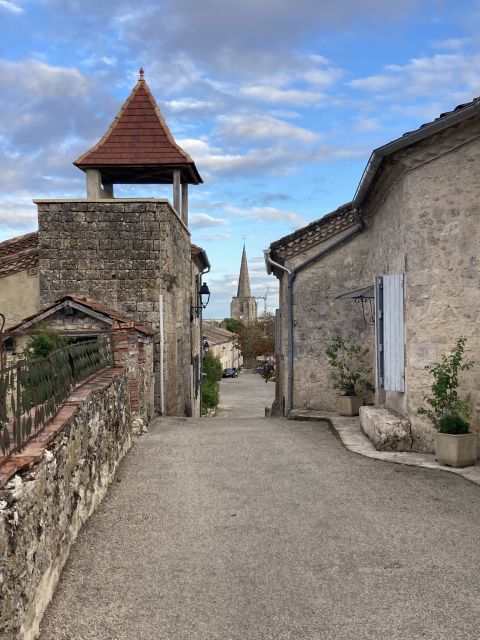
[(212, 368), (210, 395), (43, 344), (212, 373), (453, 424), (350, 364), (446, 409)]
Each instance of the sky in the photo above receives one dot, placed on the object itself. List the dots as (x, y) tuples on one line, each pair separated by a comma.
[(279, 102)]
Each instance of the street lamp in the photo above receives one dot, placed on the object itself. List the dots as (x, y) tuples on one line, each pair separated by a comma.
[(205, 345), (203, 299)]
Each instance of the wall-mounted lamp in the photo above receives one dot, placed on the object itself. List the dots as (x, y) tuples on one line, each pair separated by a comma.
[(203, 299), (205, 345)]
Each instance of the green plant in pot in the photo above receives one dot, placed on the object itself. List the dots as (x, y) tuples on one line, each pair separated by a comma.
[(449, 413), (351, 374)]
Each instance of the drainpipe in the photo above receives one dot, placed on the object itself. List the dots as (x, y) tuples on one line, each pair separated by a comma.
[(291, 275)]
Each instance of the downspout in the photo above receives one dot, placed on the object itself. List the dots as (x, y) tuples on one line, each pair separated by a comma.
[(200, 317), (291, 275)]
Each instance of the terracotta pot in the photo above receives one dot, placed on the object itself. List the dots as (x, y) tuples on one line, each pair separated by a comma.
[(456, 450), (349, 405)]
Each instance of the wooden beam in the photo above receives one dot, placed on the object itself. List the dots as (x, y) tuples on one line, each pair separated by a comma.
[(176, 192), (185, 203)]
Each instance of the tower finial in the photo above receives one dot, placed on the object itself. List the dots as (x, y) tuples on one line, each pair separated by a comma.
[(141, 73)]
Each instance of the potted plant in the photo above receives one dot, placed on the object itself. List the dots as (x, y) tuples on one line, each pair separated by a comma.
[(351, 374), (449, 413)]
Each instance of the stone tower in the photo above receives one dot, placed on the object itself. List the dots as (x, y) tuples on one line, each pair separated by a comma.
[(132, 254), (244, 306)]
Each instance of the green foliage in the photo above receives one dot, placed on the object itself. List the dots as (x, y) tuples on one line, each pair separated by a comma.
[(453, 424), (212, 370), (42, 345), (257, 340), (350, 364), (446, 409), (233, 325), (210, 395)]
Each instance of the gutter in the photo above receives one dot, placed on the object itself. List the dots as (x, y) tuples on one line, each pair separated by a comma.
[(291, 275), (426, 131)]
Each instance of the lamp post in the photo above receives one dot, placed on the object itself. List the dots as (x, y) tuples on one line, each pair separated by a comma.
[(203, 298)]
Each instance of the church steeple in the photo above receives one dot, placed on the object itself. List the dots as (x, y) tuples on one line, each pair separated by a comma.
[(244, 306), (244, 281)]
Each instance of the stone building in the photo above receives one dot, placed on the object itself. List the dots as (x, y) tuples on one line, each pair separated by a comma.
[(79, 319), (223, 344), (133, 254), (244, 306), (19, 289), (406, 245)]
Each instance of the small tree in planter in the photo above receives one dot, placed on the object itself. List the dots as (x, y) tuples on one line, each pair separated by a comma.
[(351, 374), (450, 413)]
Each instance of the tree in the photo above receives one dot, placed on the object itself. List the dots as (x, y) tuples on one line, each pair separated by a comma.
[(233, 325), (257, 340)]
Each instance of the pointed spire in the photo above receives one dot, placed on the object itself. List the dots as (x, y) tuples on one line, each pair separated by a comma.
[(244, 280), (138, 147)]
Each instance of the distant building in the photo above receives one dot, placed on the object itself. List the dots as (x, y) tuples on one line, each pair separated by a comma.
[(223, 344), (244, 306)]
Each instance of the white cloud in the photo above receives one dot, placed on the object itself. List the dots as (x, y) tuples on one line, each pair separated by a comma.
[(427, 76), (266, 214), (41, 80), (188, 104), (260, 127), (10, 6), (451, 43), (20, 215), (214, 237), (295, 97), (203, 220), (367, 125)]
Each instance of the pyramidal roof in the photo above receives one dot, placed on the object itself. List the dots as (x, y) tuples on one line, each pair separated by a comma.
[(139, 147), (244, 281)]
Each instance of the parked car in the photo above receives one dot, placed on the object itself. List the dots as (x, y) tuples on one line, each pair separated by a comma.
[(231, 372)]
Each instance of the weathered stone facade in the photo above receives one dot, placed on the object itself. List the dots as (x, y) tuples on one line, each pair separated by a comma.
[(126, 253), (43, 509), (421, 220)]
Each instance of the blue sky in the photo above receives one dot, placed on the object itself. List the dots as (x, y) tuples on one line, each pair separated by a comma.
[(280, 102)]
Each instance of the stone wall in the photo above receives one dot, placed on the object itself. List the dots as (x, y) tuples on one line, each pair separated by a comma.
[(125, 253), (421, 220), (43, 508)]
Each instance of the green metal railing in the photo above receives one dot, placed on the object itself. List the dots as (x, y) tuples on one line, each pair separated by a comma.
[(33, 390)]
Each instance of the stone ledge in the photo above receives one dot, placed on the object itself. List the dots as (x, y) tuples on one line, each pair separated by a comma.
[(349, 433), (386, 430), (34, 450)]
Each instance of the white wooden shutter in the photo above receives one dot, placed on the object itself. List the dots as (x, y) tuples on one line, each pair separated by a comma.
[(390, 332)]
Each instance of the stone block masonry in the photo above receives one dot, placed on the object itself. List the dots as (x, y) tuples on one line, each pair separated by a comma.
[(125, 253), (43, 509)]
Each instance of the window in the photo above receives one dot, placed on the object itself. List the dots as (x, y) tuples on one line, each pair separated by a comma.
[(390, 332)]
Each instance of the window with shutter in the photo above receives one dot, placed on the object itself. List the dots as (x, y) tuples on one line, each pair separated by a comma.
[(390, 332)]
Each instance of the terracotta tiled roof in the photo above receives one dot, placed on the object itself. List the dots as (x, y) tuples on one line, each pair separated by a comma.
[(18, 254), (139, 136), (217, 335), (118, 317)]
